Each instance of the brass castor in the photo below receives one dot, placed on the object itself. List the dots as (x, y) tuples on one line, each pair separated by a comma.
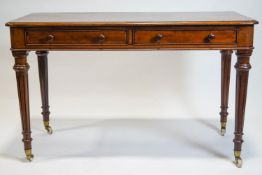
[(29, 155), (48, 127), (223, 128), (238, 161)]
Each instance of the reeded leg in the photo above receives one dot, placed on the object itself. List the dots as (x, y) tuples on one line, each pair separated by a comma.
[(21, 67), (43, 78), (225, 79), (242, 68)]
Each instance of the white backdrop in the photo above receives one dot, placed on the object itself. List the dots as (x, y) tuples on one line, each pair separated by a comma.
[(124, 84), (127, 84)]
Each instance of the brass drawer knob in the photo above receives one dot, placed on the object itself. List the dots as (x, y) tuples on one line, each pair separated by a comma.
[(211, 37), (101, 37), (158, 37), (50, 38)]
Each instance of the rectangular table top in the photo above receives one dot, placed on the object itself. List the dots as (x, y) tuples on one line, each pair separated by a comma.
[(131, 19)]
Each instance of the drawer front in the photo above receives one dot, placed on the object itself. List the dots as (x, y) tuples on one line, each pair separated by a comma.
[(77, 37), (151, 37)]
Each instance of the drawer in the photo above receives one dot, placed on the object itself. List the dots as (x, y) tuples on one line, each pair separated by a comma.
[(147, 37), (76, 37)]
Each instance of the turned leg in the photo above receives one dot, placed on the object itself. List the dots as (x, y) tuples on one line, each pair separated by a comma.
[(225, 79), (21, 67), (242, 68), (43, 78)]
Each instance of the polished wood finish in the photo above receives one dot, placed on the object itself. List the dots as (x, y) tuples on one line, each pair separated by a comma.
[(185, 36), (242, 68), (132, 38), (224, 31), (225, 80), (21, 68), (131, 19), (43, 79), (79, 37)]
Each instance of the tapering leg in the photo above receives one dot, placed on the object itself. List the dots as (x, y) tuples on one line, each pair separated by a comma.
[(242, 68), (43, 78), (21, 67), (225, 79)]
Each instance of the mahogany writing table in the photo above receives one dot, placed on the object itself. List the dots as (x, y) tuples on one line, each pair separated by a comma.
[(43, 32)]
